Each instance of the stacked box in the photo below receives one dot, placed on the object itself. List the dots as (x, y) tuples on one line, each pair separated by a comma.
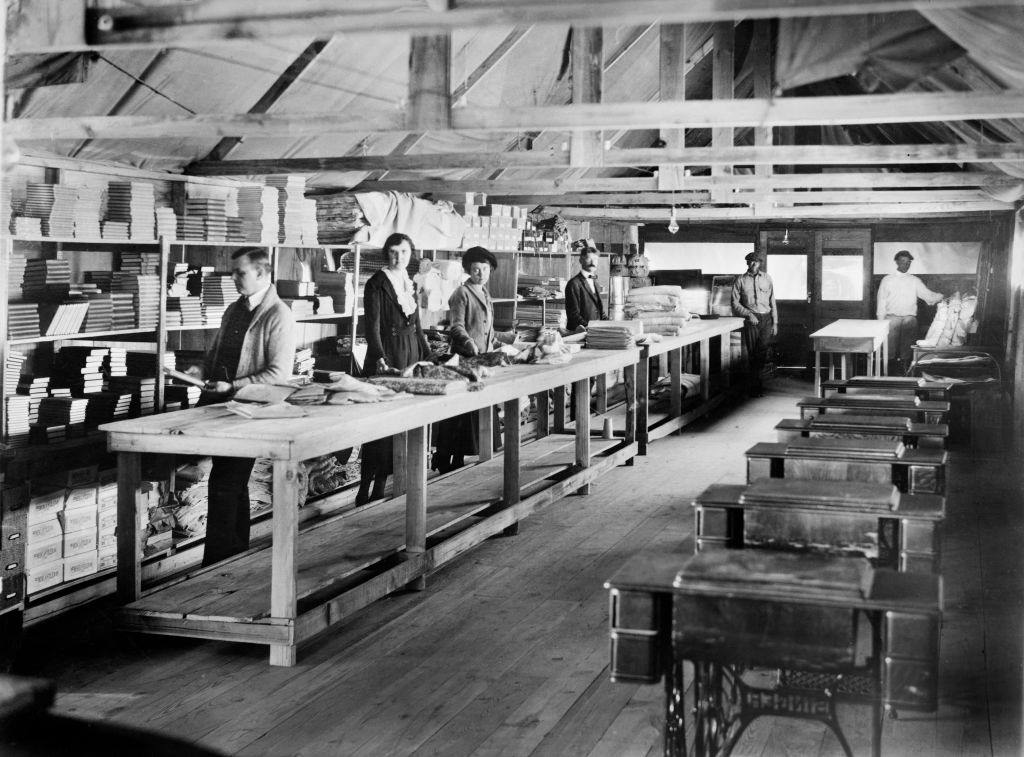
[(106, 504), (13, 511), (44, 543)]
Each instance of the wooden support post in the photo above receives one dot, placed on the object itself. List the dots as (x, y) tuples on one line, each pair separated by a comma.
[(629, 387), (587, 147), (672, 88), (513, 438), (543, 414), (283, 568), (559, 420), (725, 359), (485, 434), (705, 369), (760, 60), (496, 428), (722, 75), (643, 391), (399, 460), (129, 552), (416, 500), (675, 370), (582, 395), (602, 393), (429, 83)]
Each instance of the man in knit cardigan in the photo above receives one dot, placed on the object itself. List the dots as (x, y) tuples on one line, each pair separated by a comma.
[(255, 345)]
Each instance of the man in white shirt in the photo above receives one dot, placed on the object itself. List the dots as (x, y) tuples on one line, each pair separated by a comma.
[(897, 303)]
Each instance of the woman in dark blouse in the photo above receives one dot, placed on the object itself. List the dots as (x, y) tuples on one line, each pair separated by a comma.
[(394, 339)]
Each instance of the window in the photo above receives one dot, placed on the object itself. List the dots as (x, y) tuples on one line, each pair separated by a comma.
[(709, 257), (842, 277), (789, 275)]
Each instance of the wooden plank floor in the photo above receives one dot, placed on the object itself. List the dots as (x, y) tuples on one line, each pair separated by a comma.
[(506, 652)]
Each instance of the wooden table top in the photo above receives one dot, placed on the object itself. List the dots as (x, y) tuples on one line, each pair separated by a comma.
[(853, 328), (694, 332), (212, 430)]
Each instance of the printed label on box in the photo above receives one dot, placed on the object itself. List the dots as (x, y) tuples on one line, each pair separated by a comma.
[(107, 541), (80, 541), (106, 560), (79, 519), (83, 565), (81, 496), (45, 576), (44, 552), (108, 521), (43, 530), (46, 505)]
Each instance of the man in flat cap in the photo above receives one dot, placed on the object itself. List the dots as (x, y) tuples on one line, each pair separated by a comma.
[(897, 303), (753, 300)]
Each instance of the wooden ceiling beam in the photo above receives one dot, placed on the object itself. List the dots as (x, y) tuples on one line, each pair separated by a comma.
[(667, 199), (851, 109), (867, 210), (692, 156), (201, 24), (587, 51), (865, 180), (430, 89)]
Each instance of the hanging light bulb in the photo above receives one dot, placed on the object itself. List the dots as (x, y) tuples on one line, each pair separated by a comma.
[(673, 226), (785, 237)]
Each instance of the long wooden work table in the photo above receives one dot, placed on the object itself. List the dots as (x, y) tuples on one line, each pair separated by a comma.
[(309, 580)]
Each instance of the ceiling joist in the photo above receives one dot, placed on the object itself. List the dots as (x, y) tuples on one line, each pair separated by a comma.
[(814, 197), (694, 156), (198, 24), (867, 210), (790, 111)]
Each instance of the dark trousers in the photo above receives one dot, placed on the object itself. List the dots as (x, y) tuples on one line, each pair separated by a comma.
[(227, 518), (756, 339), (902, 335)]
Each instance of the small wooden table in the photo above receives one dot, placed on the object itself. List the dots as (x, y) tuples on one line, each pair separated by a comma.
[(926, 411), (294, 593), (851, 336), (895, 385), (910, 432)]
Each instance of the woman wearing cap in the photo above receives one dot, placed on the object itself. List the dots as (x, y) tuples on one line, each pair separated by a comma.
[(472, 330)]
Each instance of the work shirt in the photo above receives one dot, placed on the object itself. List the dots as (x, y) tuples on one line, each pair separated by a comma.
[(754, 294), (898, 294), (254, 300)]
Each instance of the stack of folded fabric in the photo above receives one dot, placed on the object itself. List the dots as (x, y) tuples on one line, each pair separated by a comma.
[(613, 335), (661, 309)]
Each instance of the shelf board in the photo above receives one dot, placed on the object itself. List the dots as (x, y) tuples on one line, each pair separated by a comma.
[(84, 335), (192, 328), (36, 451), (79, 240), (324, 317)]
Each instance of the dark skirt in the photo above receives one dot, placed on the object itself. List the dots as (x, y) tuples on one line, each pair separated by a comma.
[(454, 439), (401, 349)]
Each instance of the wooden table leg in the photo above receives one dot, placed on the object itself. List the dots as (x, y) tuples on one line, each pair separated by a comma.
[(416, 501), (844, 365), (543, 417), (602, 394), (399, 453), (629, 386), (129, 555), (485, 434), (817, 373), (643, 392), (559, 410), (283, 569), (510, 482), (725, 351), (705, 370), (583, 429), (675, 372)]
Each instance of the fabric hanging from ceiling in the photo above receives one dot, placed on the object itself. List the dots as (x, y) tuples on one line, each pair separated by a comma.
[(894, 48), (994, 38), (431, 225)]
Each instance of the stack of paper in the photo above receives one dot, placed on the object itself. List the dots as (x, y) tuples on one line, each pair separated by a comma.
[(5, 205), (257, 207), (105, 407), (101, 312), (132, 202), (46, 278), (15, 276), (146, 297), (40, 433), (62, 411), (204, 219), (613, 335), (218, 292), (38, 203), (16, 420), (142, 389), (188, 309), (13, 364), (181, 395), (23, 226), (60, 220), (116, 230), (117, 362), (66, 317), (166, 223), (87, 212), (296, 215), (34, 386), (80, 369), (123, 306), (143, 263), (22, 320), (303, 362)]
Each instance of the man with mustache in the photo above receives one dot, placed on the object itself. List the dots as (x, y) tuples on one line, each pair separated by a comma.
[(582, 298)]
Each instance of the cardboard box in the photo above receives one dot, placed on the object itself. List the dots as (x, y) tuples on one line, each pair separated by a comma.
[(106, 559), (479, 198), (43, 553), (44, 576), (79, 542), (81, 565), (12, 591), (81, 496), (107, 521), (46, 529), (106, 497), (80, 519), (74, 477), (107, 541), (46, 504)]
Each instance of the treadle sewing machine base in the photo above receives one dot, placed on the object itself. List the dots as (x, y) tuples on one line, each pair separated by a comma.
[(834, 629)]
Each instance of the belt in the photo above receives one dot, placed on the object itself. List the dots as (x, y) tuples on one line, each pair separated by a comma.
[(396, 330)]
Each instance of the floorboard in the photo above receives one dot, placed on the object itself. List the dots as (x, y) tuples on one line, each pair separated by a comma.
[(506, 652)]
